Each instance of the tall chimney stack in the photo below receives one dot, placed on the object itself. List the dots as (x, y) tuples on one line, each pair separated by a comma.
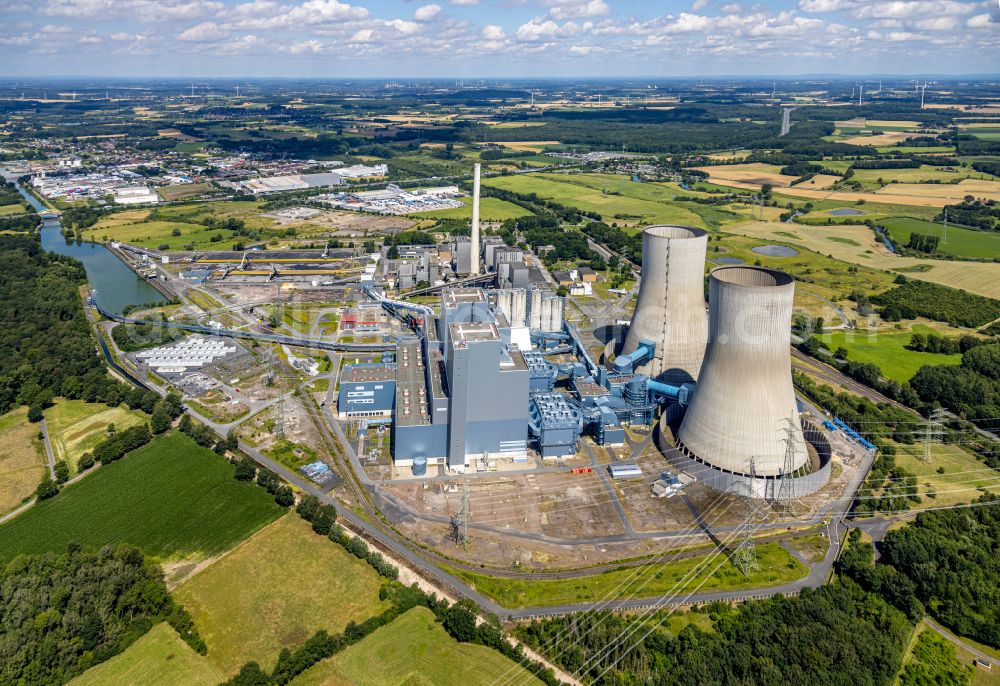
[(475, 219)]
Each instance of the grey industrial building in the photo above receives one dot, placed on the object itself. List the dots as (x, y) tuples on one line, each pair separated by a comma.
[(367, 390)]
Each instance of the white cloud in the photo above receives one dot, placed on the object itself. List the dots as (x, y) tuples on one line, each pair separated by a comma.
[(937, 24), (266, 14), (427, 12), (205, 31), (363, 36), (822, 5), (463, 3), (979, 21), (146, 10), (699, 5), (574, 9), (687, 23), (732, 8), (493, 32), (537, 29)]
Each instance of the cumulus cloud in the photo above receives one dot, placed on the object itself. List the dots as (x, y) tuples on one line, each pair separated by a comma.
[(463, 3), (427, 12), (699, 5), (493, 32)]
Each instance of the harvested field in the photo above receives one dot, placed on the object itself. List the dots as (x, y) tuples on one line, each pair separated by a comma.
[(819, 182), (954, 192), (533, 146), (887, 138), (749, 173), (22, 459)]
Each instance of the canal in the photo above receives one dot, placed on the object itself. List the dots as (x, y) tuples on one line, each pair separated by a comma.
[(117, 286)]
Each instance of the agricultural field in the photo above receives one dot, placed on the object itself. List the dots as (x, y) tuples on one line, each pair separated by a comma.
[(959, 242), (755, 173), (275, 591), (490, 209), (172, 498), (159, 658), (964, 478), (76, 426), (614, 203), (22, 459), (953, 192), (714, 573), (415, 650), (869, 177), (860, 247), (887, 349)]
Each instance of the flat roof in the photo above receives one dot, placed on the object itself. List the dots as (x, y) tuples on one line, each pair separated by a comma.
[(473, 331), (409, 384), (359, 373), (455, 296)]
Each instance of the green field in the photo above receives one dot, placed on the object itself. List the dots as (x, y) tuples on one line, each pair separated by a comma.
[(76, 426), (275, 591), (415, 650), (963, 475), (22, 459), (888, 350), (172, 498), (490, 209), (777, 566), (960, 242), (153, 234), (160, 658), (621, 203), (14, 208)]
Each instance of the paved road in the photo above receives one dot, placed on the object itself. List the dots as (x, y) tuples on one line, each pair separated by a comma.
[(786, 120), (959, 642), (49, 455)]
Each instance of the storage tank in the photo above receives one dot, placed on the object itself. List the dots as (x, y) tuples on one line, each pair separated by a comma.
[(744, 398), (670, 310)]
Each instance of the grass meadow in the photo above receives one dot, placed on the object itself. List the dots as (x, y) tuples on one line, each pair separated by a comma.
[(415, 650), (275, 591), (887, 349), (960, 242), (172, 498), (159, 658), (76, 426), (777, 566)]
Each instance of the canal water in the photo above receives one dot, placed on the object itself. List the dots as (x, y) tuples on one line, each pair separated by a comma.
[(117, 286)]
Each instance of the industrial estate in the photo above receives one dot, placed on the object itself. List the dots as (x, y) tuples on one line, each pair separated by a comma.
[(364, 383)]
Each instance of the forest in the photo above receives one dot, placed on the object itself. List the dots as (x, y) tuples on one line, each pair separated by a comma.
[(65, 613), (912, 298), (50, 352), (835, 635)]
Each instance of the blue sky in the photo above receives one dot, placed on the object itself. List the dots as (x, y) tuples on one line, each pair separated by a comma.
[(496, 38)]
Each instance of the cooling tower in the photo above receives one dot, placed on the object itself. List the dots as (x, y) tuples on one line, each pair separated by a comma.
[(744, 396), (670, 311)]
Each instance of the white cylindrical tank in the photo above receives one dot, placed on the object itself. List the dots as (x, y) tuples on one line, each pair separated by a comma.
[(744, 399), (670, 310)]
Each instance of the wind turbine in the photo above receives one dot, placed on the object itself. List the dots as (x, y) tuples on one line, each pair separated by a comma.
[(861, 90), (922, 89)]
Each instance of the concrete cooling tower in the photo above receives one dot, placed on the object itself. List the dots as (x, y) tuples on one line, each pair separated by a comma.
[(744, 398), (670, 311)]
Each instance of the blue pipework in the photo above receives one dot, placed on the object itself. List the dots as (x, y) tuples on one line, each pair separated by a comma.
[(626, 364)]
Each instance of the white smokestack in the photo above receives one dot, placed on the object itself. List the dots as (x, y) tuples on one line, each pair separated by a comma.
[(475, 219)]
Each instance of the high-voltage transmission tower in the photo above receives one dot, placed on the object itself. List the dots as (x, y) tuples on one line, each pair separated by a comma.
[(269, 380), (745, 554), (279, 425), (933, 432), (460, 521), (786, 490)]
